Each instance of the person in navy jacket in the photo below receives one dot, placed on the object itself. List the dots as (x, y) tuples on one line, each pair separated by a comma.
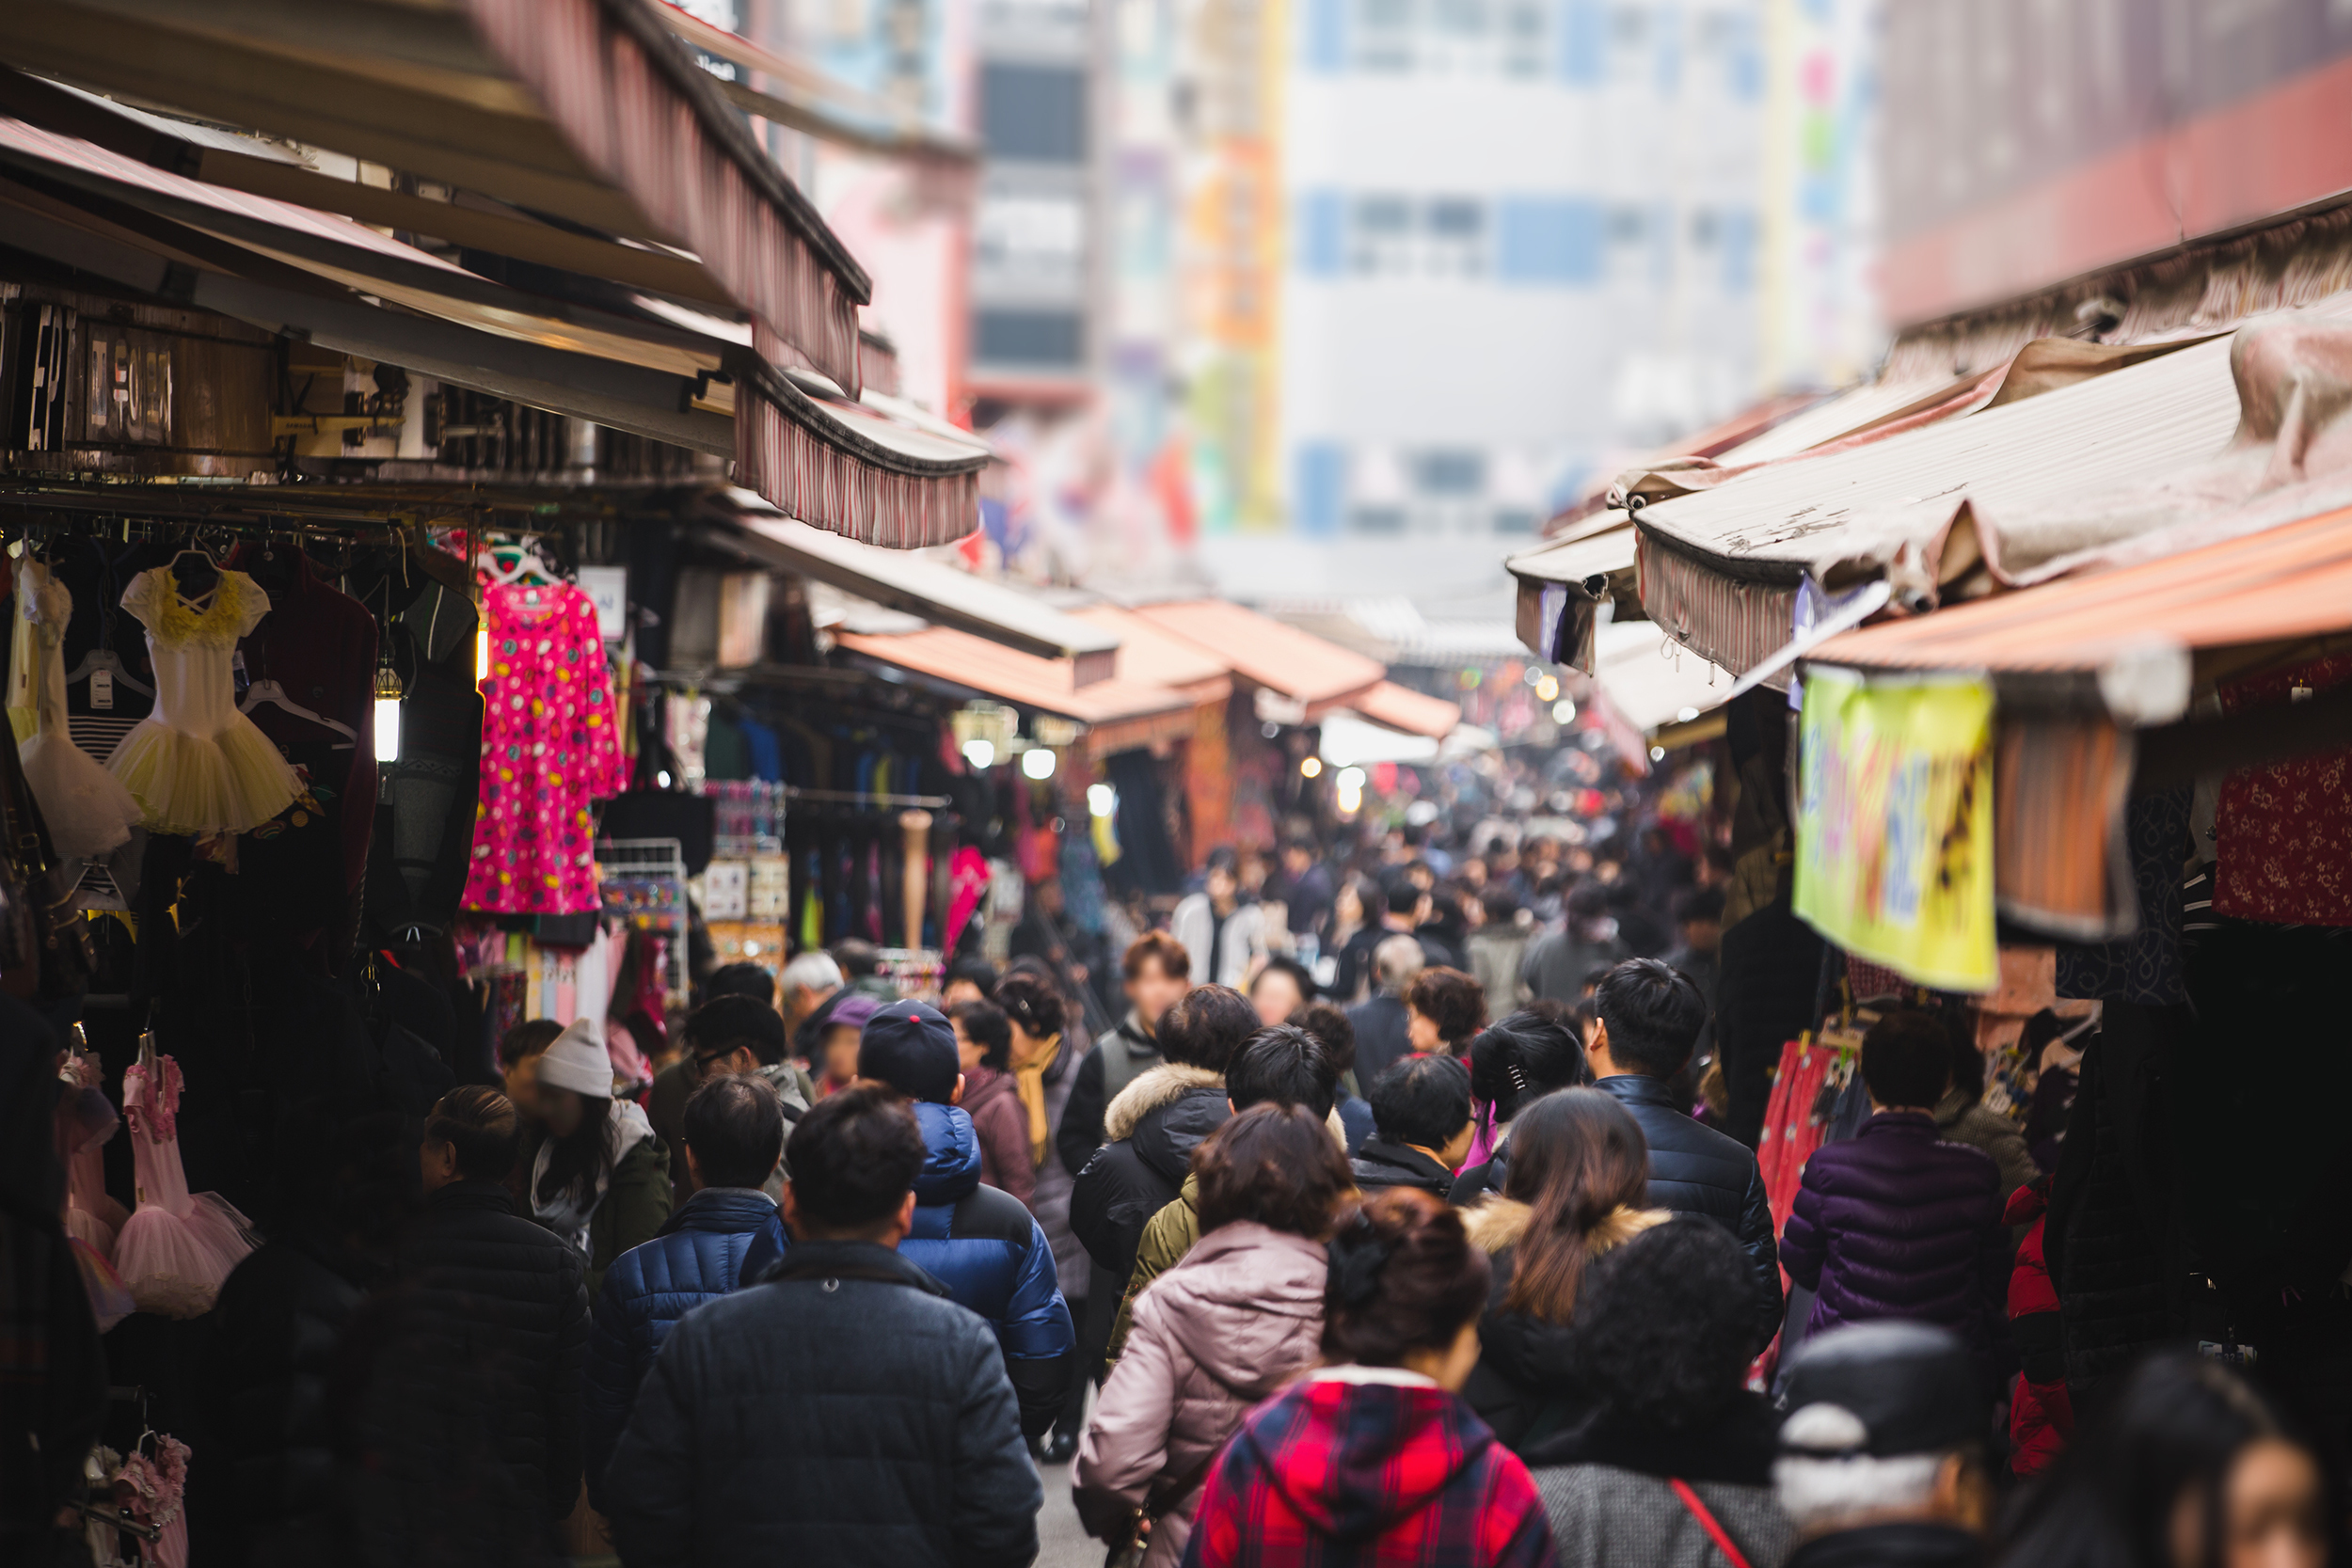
[(733, 1133), (980, 1243)]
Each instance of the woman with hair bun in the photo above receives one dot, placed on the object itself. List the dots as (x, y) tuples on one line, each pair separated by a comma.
[(1372, 1459), (1512, 1064)]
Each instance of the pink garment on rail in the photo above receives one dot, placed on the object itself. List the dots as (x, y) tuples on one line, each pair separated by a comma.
[(177, 1247), (550, 743)]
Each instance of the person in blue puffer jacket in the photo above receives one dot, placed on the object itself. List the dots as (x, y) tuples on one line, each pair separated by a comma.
[(733, 1135), (980, 1243)]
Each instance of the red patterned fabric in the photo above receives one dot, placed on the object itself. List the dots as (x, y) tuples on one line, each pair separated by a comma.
[(1790, 1133), (2282, 834), (549, 743), (1368, 1475)]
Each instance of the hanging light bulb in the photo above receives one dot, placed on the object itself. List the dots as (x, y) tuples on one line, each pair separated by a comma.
[(1038, 763), (481, 652), (387, 695)]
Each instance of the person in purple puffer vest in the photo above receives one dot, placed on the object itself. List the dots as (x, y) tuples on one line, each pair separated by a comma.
[(1895, 1222)]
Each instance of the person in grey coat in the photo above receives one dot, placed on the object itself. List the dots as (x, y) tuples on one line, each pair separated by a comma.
[(841, 1411)]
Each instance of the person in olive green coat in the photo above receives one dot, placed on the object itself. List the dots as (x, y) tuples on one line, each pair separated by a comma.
[(591, 1169)]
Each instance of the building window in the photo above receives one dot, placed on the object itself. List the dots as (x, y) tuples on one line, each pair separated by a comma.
[(1321, 243), (1380, 236), (1454, 243), (1450, 472), (1383, 35), (1319, 486), (1547, 240), (1039, 339), (1034, 113), (1041, 239)]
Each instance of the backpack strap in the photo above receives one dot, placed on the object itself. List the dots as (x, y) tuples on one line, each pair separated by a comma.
[(1707, 1522)]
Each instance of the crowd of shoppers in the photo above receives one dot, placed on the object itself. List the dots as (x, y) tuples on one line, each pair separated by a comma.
[(1442, 1270)]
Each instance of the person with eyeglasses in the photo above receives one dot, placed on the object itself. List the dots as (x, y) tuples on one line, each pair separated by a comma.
[(728, 1037)]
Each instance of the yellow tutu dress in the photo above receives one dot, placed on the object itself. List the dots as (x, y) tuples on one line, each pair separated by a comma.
[(196, 765)]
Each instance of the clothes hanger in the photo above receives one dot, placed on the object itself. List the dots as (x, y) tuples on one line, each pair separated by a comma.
[(270, 691), (196, 551)]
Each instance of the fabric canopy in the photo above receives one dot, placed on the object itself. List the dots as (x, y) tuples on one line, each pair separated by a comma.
[(588, 112), (2079, 477), (867, 468), (1294, 664), (916, 585), (960, 660), (2282, 584), (1407, 711)]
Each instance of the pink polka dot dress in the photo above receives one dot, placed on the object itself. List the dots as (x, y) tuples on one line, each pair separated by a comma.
[(550, 743)]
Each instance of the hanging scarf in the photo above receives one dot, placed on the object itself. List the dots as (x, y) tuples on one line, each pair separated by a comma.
[(1028, 1079)]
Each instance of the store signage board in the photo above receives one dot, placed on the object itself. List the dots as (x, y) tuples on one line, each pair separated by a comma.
[(1895, 823), (607, 588)]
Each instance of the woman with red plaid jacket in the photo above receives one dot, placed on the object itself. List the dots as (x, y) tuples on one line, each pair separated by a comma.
[(1372, 1461)]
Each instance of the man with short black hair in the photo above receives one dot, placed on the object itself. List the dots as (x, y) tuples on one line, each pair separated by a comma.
[(982, 1244), (1283, 1064), (1882, 1457), (1422, 1126), (1651, 1016), (731, 1034), (472, 1421), (734, 1139), (740, 979), (841, 1411)]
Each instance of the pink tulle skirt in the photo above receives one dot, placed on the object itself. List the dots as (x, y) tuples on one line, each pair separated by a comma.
[(174, 1263), (109, 1303)]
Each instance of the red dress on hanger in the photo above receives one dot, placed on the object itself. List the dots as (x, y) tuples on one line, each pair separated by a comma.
[(550, 743)]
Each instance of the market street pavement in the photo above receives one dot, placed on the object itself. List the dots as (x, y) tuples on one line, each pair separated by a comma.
[(1060, 1543)]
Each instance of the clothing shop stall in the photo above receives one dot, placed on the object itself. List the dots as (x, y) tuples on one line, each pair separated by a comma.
[(342, 460)]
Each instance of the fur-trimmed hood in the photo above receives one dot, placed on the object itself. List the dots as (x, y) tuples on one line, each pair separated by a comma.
[(1165, 1114), (1500, 1222), (1161, 1085)]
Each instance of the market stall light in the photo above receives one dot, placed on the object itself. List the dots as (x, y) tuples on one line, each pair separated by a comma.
[(1547, 689), (1351, 779), (1102, 799), (1564, 712), (980, 753), (387, 695), (481, 652), (1658, 754), (1684, 716), (1038, 763), (1310, 768)]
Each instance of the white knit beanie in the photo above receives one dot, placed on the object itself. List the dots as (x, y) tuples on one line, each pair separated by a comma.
[(577, 1061)]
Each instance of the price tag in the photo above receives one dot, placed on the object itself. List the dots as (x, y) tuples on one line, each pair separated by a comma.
[(101, 689)]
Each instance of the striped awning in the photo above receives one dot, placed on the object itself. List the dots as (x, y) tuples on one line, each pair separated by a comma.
[(872, 469), (572, 118)]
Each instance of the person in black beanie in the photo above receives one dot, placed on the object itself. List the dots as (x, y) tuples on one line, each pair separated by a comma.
[(1882, 1458)]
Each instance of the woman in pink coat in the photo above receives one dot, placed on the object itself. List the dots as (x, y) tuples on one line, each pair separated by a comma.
[(1233, 1323)]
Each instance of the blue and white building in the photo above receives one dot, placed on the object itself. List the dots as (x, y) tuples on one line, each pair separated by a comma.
[(1523, 242)]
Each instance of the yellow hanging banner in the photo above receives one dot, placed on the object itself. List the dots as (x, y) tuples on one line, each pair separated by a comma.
[(1895, 824)]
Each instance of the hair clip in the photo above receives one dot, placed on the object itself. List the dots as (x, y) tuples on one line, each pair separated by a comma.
[(1518, 1078)]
